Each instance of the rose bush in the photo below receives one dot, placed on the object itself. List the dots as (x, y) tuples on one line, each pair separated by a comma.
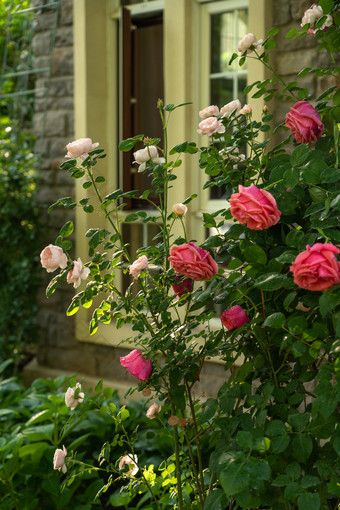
[(269, 437)]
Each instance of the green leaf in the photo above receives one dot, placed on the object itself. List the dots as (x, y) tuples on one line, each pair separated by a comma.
[(270, 44), (293, 32), (255, 255), (299, 155), (216, 500), (271, 281), (188, 147), (302, 446), (68, 165), (295, 238), (275, 428), (209, 409), (67, 229), (275, 320), (327, 302), (273, 31), (310, 501), (234, 478), (244, 439)]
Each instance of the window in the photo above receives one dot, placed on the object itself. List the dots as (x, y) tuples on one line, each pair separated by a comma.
[(142, 85)]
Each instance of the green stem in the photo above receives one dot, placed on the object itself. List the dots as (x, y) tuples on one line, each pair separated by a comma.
[(178, 463), (199, 454)]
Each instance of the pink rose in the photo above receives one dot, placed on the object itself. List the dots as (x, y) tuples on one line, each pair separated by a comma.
[(193, 262), (182, 287), (138, 266), (129, 460), (317, 268), (209, 111), (248, 42), (77, 273), (149, 153), (152, 411), (229, 108), (80, 148), (137, 365), (234, 317), (210, 126), (246, 110), (304, 122), (53, 257), (59, 459), (74, 396), (255, 207)]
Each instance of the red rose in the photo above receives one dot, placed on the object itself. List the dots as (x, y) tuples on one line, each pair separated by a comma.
[(137, 365), (255, 207), (182, 286), (234, 317), (193, 262), (317, 268), (304, 122)]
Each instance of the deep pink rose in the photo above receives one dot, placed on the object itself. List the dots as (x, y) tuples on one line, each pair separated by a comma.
[(193, 262), (317, 268), (210, 126), (137, 365), (234, 317), (255, 207), (304, 122), (182, 287)]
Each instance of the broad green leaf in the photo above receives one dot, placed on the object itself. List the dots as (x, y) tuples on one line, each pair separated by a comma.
[(216, 500), (67, 229), (293, 32), (271, 281), (309, 501), (302, 446), (275, 320)]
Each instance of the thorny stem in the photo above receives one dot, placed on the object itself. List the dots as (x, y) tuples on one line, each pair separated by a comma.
[(268, 346), (178, 464), (199, 454)]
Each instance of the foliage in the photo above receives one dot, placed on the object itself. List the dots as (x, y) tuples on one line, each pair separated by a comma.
[(270, 437), (19, 223), (35, 420), (18, 210)]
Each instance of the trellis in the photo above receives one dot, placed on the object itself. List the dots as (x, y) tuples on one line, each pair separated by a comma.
[(18, 79)]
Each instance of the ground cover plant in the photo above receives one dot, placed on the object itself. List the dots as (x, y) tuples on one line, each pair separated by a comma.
[(270, 438)]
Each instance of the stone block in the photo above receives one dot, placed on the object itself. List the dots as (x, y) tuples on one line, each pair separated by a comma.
[(45, 21), (61, 87), (292, 62), (64, 36), (284, 45), (55, 123), (58, 146), (66, 12), (41, 43), (75, 360), (297, 8), (62, 62), (281, 12)]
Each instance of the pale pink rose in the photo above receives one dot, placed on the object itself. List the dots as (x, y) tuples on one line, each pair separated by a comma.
[(254, 207), (53, 257), (153, 410), (138, 266), (304, 122), (232, 153), (209, 111), (179, 209), (137, 365), (234, 317), (80, 148), (246, 109), (246, 43), (59, 459), (229, 108), (144, 155), (129, 460), (77, 273), (149, 153), (193, 262), (71, 400), (317, 268), (183, 286), (210, 126), (311, 15)]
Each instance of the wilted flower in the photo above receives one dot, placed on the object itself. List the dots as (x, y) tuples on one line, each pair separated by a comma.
[(130, 460), (77, 273), (138, 266), (74, 396), (59, 459), (152, 411)]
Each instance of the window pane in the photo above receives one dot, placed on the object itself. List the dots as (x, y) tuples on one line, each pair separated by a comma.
[(221, 91)]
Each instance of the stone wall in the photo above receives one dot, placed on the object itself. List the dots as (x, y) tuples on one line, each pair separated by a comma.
[(59, 351)]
